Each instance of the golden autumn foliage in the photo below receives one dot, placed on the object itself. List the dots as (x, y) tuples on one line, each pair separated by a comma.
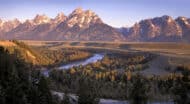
[(72, 71), (128, 74)]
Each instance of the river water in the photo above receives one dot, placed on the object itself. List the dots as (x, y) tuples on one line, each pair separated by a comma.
[(90, 60), (96, 57)]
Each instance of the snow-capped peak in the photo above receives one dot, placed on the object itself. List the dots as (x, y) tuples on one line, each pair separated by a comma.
[(167, 18), (184, 20), (9, 24), (60, 15), (82, 18), (59, 18), (77, 11), (16, 21), (40, 19), (1, 23), (89, 13), (29, 22)]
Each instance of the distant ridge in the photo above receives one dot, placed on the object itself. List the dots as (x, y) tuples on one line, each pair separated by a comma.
[(85, 25), (160, 29)]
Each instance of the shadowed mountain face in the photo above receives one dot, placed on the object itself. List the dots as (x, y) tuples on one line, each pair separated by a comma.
[(79, 25), (88, 26), (158, 29)]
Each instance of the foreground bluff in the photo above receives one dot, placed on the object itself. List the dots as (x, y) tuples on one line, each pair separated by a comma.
[(79, 25)]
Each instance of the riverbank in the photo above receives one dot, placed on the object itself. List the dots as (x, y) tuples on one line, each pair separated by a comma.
[(94, 58)]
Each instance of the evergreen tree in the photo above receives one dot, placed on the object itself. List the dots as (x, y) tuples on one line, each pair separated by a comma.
[(66, 99), (44, 91), (181, 88), (13, 80), (138, 92), (86, 92), (17, 85)]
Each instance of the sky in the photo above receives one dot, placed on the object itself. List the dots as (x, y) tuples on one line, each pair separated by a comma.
[(117, 13)]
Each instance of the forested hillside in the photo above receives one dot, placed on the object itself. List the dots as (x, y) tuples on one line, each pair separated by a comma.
[(19, 83), (116, 76), (43, 56)]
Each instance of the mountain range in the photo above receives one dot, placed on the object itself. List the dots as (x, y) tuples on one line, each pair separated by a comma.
[(85, 25)]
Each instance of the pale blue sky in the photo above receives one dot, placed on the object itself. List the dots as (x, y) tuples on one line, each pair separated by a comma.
[(113, 12)]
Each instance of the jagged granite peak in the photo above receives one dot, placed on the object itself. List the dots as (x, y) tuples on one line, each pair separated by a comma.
[(22, 27), (185, 26), (188, 20), (170, 27), (182, 18), (59, 18), (16, 22), (163, 28), (9, 25), (148, 29), (82, 18), (167, 18), (1, 30), (83, 25), (162, 20), (1, 23), (1, 26), (28, 22), (79, 25), (13, 22), (183, 21), (87, 25), (78, 10), (60, 15), (41, 19)]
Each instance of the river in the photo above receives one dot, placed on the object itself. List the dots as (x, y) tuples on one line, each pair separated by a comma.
[(96, 57), (92, 59)]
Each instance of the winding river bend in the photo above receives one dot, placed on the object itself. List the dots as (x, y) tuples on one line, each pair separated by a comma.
[(93, 59), (96, 57)]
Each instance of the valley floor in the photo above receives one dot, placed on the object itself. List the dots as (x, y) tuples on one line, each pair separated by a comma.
[(169, 53), (109, 70)]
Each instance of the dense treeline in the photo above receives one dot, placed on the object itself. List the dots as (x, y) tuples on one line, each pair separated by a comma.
[(135, 88), (63, 56), (113, 66), (29, 54), (115, 77), (19, 84), (46, 57)]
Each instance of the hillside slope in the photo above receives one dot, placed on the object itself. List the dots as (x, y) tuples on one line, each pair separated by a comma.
[(25, 52)]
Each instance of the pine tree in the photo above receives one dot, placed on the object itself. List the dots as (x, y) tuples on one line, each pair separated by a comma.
[(45, 94), (180, 90), (86, 92), (138, 92), (66, 99), (17, 85)]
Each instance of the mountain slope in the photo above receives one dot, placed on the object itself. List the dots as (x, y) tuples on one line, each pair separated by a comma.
[(161, 29), (79, 25), (85, 25), (185, 26)]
